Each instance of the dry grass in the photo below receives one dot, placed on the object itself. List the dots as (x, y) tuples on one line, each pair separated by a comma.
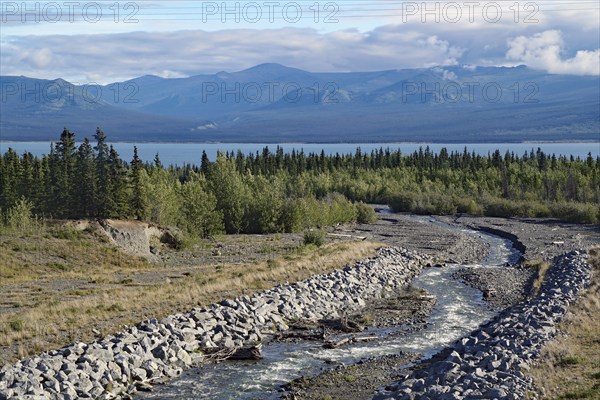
[(61, 253), (542, 268), (94, 289), (570, 366)]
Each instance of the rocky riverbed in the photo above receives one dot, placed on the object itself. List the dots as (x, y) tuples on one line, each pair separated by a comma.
[(491, 361), (536, 238), (502, 286), (154, 351), (356, 382), (406, 312), (422, 234)]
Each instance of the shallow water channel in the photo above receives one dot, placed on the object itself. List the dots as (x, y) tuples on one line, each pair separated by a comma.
[(459, 310)]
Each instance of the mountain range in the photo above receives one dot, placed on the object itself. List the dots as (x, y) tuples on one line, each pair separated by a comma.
[(275, 103)]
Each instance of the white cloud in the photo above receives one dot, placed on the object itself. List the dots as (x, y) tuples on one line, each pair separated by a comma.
[(110, 56), (170, 74), (184, 53), (545, 51), (42, 59), (446, 75)]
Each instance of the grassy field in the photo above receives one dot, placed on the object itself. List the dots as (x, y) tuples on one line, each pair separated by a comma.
[(570, 365), (58, 285)]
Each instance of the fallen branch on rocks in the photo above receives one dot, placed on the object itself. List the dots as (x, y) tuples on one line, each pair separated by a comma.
[(340, 343), (248, 353), (302, 326), (347, 236), (335, 345), (234, 353), (312, 334), (218, 355), (342, 324)]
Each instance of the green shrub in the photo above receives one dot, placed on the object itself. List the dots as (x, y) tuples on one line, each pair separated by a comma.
[(364, 213), (16, 324), (570, 360), (339, 209), (315, 237), (20, 216), (469, 206), (500, 208), (66, 233), (57, 266), (188, 241), (115, 307), (403, 202), (575, 212), (435, 203), (537, 209)]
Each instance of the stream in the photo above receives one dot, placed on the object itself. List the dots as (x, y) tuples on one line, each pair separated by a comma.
[(459, 310)]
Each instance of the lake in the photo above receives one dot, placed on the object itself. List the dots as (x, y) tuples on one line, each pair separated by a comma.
[(182, 153)]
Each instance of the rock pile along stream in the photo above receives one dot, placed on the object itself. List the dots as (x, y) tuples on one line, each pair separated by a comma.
[(155, 351), (490, 363)]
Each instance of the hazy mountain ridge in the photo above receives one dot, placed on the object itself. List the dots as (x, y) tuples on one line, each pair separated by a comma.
[(274, 103)]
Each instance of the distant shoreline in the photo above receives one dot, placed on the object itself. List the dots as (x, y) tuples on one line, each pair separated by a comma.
[(179, 153), (2, 141)]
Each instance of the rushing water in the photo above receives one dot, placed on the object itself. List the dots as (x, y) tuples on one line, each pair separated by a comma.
[(459, 310)]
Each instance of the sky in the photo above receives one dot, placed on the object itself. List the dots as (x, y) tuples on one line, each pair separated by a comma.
[(111, 41)]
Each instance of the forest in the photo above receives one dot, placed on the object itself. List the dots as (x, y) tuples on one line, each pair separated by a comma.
[(274, 191)]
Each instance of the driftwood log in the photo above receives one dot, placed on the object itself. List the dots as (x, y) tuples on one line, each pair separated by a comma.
[(248, 353), (342, 324), (347, 236), (348, 340), (253, 352), (312, 334)]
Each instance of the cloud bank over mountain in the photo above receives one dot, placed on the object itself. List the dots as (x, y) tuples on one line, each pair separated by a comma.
[(560, 38)]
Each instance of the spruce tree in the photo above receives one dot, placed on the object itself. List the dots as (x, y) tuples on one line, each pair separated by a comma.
[(117, 190), (102, 177), (157, 163), (85, 181), (139, 201), (9, 180), (204, 163), (44, 180), (65, 157), (26, 179)]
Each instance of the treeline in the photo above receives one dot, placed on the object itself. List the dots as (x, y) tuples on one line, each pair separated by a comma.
[(533, 184), (274, 191), (92, 181)]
